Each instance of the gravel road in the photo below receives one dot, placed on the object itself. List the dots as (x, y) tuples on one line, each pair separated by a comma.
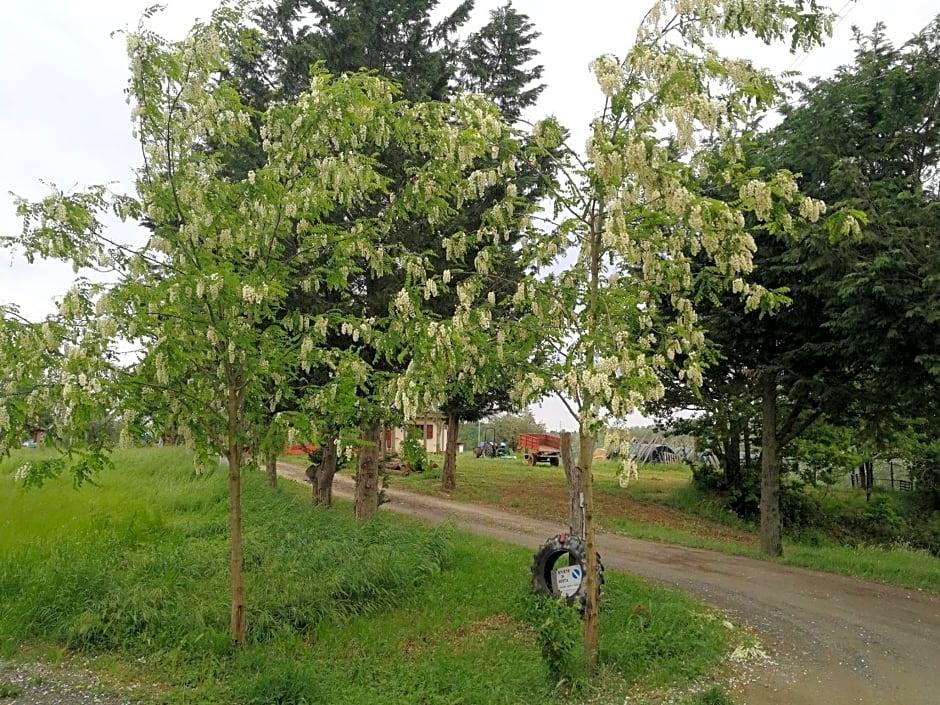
[(68, 683), (832, 640)]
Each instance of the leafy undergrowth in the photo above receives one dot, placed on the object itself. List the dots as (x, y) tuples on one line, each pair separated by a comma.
[(133, 573)]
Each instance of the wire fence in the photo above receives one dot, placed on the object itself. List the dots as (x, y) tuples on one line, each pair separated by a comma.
[(893, 475)]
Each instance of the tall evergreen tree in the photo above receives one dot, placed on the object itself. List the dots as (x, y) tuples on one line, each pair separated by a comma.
[(396, 39), (497, 62)]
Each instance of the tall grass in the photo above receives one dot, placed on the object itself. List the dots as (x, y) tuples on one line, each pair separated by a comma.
[(135, 569), (140, 563)]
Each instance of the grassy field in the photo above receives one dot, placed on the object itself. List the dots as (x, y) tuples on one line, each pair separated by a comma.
[(132, 574), (662, 506)]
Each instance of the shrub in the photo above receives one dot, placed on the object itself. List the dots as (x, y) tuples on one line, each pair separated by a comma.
[(559, 631), (707, 478), (414, 452), (798, 509), (927, 533)]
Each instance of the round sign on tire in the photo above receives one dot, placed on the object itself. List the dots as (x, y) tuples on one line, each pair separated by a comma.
[(567, 581)]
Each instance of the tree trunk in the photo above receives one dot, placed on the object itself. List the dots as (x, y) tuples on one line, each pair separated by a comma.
[(748, 462), (321, 476), (593, 588), (270, 468), (366, 499), (575, 481), (771, 530), (733, 474), (238, 621), (449, 474), (587, 419)]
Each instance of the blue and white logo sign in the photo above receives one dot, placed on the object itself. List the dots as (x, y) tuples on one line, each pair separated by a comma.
[(566, 581)]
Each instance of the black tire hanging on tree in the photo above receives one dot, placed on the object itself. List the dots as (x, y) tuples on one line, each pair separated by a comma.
[(550, 553)]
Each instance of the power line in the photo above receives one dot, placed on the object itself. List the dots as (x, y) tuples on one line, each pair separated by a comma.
[(801, 59)]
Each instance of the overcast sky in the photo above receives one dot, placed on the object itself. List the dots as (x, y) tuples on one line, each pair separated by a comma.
[(64, 119)]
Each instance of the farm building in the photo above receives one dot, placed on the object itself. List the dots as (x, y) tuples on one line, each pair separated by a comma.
[(430, 429)]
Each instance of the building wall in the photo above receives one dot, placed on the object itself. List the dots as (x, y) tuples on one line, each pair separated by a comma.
[(433, 434)]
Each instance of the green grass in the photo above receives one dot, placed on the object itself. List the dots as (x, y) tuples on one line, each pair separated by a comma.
[(133, 573), (898, 565), (492, 481)]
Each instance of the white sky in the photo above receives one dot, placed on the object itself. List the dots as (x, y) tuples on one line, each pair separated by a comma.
[(64, 120)]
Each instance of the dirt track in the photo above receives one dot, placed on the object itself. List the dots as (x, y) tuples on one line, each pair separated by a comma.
[(832, 640)]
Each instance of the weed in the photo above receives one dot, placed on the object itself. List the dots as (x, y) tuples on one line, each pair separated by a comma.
[(283, 682), (712, 696), (558, 626), (8, 690)]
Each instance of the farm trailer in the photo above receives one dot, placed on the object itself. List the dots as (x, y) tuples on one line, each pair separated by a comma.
[(540, 448)]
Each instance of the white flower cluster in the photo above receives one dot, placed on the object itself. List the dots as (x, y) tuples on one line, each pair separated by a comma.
[(404, 305), (349, 329), (628, 470), (757, 194), (159, 362), (254, 294), (23, 472), (4, 421), (812, 209), (608, 73)]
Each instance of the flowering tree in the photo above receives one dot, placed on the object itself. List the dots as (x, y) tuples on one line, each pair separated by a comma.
[(645, 199), (430, 63), (57, 378), (203, 299)]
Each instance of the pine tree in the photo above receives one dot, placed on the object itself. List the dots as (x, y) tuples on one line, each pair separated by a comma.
[(497, 62)]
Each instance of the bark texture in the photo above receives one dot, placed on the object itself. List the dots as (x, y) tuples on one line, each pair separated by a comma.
[(449, 474), (771, 528), (366, 498), (575, 481), (270, 468), (732, 455), (238, 622), (321, 474), (593, 590)]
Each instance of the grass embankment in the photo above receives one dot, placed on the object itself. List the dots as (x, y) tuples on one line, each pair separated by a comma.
[(133, 574), (662, 506)]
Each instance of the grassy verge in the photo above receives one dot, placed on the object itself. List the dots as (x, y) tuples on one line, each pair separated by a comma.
[(132, 574), (661, 506)]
